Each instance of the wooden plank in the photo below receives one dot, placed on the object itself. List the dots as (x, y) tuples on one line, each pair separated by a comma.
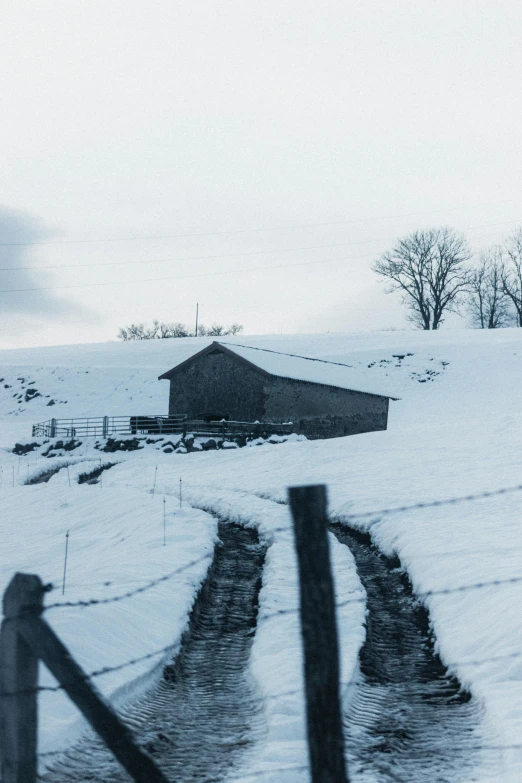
[(90, 702), (319, 631), (18, 683)]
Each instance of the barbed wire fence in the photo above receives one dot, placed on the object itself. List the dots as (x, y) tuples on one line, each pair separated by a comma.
[(92, 602)]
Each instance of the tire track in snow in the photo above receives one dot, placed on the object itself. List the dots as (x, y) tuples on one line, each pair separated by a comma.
[(204, 715), (409, 719)]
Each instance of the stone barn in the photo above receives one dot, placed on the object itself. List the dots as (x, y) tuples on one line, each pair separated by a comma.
[(240, 383)]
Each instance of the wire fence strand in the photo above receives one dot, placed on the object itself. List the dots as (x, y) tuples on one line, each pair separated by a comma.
[(130, 593)]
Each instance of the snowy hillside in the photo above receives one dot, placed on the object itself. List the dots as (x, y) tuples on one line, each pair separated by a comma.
[(122, 378), (455, 431)]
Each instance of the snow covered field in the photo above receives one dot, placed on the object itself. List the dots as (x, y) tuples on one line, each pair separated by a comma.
[(456, 430)]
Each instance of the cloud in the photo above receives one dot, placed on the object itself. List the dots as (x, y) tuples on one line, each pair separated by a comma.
[(18, 233)]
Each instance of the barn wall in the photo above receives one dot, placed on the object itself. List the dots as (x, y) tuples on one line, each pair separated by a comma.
[(324, 411), (217, 384)]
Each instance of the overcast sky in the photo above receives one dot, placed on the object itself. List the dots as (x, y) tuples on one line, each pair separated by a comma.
[(232, 131)]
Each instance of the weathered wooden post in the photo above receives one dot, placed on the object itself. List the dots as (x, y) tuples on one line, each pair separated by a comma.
[(53, 428), (103, 719), (105, 427), (19, 682), (319, 631), (24, 639)]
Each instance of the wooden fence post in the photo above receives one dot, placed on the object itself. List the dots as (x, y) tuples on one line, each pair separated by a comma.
[(319, 631), (90, 702), (18, 682), (24, 639)]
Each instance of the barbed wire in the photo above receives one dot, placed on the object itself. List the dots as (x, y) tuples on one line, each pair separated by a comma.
[(401, 509), (442, 591), (466, 588), (130, 593), (95, 673), (436, 503), (169, 648), (417, 594)]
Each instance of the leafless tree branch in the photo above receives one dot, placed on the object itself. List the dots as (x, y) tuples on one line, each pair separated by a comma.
[(161, 330), (429, 268), (489, 305), (512, 275)]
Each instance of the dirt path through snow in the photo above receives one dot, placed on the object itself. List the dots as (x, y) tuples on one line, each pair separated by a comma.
[(205, 713), (409, 720)]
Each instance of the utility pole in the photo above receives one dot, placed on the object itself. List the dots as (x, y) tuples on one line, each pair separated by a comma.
[(197, 314)]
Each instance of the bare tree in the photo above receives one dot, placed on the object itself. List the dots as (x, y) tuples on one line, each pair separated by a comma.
[(161, 331), (429, 268), (134, 332), (173, 330), (512, 277), (488, 302), (216, 330)]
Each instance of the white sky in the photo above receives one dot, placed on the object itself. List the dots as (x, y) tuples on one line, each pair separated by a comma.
[(133, 119)]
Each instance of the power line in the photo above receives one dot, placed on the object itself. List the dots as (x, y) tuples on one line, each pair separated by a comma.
[(196, 275), (252, 230), (192, 258), (186, 277), (223, 255)]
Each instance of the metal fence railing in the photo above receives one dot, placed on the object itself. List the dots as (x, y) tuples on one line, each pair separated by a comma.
[(177, 424)]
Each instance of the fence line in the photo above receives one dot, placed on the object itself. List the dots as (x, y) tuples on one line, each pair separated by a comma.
[(22, 616), (163, 650), (123, 596), (281, 612), (104, 426), (436, 503), (175, 424), (96, 673), (424, 594), (343, 518), (169, 648), (428, 504)]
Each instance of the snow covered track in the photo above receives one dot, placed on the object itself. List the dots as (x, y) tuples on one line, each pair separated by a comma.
[(409, 720), (204, 714)]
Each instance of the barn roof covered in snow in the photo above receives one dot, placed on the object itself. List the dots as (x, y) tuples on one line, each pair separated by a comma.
[(286, 365)]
